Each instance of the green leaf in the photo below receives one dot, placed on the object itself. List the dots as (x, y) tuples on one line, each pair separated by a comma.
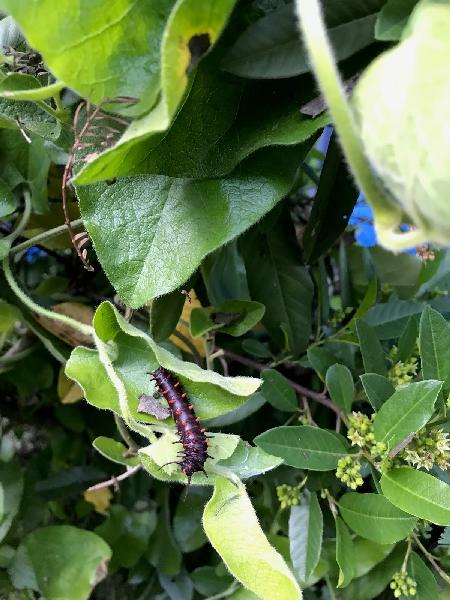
[(78, 558), (189, 25), (9, 315), (277, 279), (393, 19), (427, 588), (375, 518), (247, 461), (179, 587), (102, 31), (188, 535), (304, 447), (208, 582), (405, 412), (155, 458), (224, 275), (163, 552), (345, 554), (7, 201), (378, 389), (418, 494), (271, 47), (245, 549), (147, 259), (11, 490), (329, 218), (407, 341), (321, 360), (305, 535), (127, 533), (389, 320), (368, 555), (165, 313), (434, 334), (375, 581), (115, 451), (371, 349), (339, 383), (19, 86), (234, 317), (32, 118), (277, 391)]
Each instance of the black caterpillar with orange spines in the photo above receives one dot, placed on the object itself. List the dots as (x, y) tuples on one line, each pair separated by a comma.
[(192, 436)]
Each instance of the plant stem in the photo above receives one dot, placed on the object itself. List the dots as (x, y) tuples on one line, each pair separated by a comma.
[(125, 434), (431, 559), (50, 314), (195, 353), (321, 56), (300, 389), (115, 480), (23, 220), (45, 235)]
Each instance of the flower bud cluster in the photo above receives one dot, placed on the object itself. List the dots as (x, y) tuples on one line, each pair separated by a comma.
[(403, 585), (360, 433), (428, 448), (288, 495), (339, 315), (349, 471), (402, 373)]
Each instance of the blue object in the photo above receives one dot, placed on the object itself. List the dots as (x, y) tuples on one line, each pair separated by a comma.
[(33, 254)]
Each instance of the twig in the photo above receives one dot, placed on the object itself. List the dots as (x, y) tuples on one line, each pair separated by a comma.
[(431, 559), (114, 481), (316, 396), (45, 235)]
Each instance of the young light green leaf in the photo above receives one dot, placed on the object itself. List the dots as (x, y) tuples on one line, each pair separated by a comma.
[(371, 349), (339, 382), (378, 389), (245, 549), (393, 19), (277, 391), (418, 494), (305, 535), (78, 559), (375, 518), (20, 86), (304, 447), (161, 460), (148, 260), (344, 554), (434, 335), (80, 33), (406, 411), (114, 451), (247, 461), (427, 588)]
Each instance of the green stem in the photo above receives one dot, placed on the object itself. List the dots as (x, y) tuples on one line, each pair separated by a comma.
[(23, 220), (81, 327), (321, 56), (125, 434), (59, 105), (404, 568), (45, 235), (48, 109)]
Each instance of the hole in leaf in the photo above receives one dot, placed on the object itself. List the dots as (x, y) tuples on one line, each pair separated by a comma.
[(198, 45)]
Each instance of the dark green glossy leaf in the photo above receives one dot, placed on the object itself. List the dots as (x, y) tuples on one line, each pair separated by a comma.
[(375, 518), (150, 256), (407, 341), (389, 320), (278, 279), (305, 535), (207, 582), (333, 204), (418, 494), (378, 389), (188, 534), (427, 588), (127, 533), (405, 412), (277, 391), (234, 317), (163, 552), (271, 47), (339, 383), (11, 489), (344, 554), (165, 313), (371, 349), (321, 360), (304, 447), (434, 347)]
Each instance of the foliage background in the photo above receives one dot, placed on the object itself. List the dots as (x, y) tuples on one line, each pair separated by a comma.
[(230, 245)]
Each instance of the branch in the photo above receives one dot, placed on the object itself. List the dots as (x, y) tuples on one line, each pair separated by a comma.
[(300, 389), (45, 235), (114, 481)]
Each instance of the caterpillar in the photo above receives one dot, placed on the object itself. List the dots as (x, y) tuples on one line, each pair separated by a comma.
[(192, 436)]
